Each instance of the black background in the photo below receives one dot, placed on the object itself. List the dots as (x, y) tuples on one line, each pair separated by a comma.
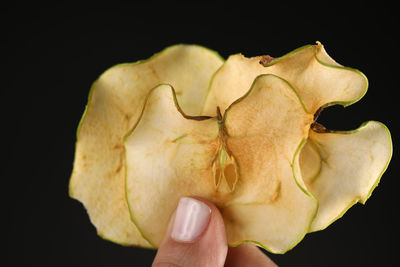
[(51, 57)]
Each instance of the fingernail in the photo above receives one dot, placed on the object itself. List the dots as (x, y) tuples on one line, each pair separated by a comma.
[(192, 217)]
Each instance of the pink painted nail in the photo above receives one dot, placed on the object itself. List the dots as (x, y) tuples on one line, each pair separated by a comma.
[(192, 217)]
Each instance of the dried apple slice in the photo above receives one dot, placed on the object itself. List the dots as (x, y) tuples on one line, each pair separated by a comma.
[(272, 207), (241, 162), (318, 79), (342, 168), (115, 102), (320, 82)]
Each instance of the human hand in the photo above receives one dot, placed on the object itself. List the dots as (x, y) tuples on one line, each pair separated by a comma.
[(196, 237)]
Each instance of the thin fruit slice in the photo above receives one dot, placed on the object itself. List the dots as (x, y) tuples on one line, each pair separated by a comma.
[(342, 168), (242, 162), (320, 82), (272, 208), (116, 100), (318, 79)]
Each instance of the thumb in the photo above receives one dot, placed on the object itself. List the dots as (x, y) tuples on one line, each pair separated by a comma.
[(195, 236)]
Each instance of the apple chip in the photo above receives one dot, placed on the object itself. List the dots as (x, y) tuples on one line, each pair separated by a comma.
[(115, 102), (341, 168), (318, 79), (320, 82), (241, 162)]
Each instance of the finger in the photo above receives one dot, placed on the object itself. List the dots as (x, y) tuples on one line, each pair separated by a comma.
[(195, 236), (247, 255)]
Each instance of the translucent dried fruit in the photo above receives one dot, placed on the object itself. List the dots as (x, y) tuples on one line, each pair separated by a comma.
[(240, 133)]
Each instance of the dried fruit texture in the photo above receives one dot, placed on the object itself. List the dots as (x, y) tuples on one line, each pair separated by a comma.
[(240, 133)]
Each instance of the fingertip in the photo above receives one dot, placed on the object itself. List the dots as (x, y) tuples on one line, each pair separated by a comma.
[(195, 236), (191, 219)]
